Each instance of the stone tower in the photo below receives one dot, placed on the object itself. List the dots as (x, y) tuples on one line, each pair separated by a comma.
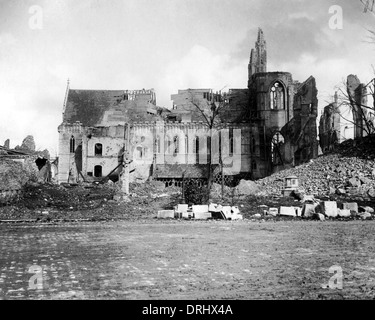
[(258, 56)]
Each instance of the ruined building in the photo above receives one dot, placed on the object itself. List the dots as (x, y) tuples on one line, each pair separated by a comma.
[(347, 117), (266, 127), (282, 116)]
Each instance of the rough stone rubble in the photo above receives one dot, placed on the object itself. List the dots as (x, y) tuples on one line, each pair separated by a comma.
[(327, 175)]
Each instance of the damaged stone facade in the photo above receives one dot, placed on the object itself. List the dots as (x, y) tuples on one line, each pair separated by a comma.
[(282, 116), (21, 166), (347, 117), (271, 125), (330, 131), (98, 127)]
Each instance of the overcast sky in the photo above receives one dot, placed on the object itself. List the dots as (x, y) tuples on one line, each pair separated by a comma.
[(166, 45)]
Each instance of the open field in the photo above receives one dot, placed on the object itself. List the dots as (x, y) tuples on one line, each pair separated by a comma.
[(152, 259)]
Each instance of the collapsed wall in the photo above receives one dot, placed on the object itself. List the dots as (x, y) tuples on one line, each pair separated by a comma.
[(14, 174)]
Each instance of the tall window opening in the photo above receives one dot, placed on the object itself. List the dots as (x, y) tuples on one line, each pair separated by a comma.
[(277, 96), (98, 149), (72, 144), (208, 146), (186, 145), (139, 152), (98, 171), (158, 147), (176, 147), (197, 150), (231, 143), (276, 150), (168, 146)]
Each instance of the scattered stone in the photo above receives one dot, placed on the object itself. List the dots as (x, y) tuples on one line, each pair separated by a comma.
[(182, 208), (237, 217), (308, 210), (215, 208), (298, 211), (231, 213), (365, 180), (199, 209), (186, 215), (166, 214), (308, 198), (226, 211), (319, 216), (273, 211), (366, 209), (352, 206), (365, 215), (343, 213), (354, 182), (287, 211), (330, 208), (202, 215), (235, 210)]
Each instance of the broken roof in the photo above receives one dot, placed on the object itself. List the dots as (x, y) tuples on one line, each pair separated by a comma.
[(108, 107), (11, 152)]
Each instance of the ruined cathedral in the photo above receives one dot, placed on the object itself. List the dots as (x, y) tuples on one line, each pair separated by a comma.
[(266, 127)]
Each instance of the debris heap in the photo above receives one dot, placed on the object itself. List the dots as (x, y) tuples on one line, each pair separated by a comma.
[(348, 171)]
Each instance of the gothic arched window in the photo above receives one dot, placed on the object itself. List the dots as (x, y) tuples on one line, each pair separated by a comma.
[(277, 96), (72, 144), (186, 145)]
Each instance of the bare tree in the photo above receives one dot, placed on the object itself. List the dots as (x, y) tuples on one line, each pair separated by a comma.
[(368, 5), (209, 110), (355, 99)]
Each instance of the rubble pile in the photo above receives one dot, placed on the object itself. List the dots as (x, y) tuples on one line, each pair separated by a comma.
[(216, 191), (349, 170), (145, 189), (47, 202), (327, 175), (77, 197), (362, 148)]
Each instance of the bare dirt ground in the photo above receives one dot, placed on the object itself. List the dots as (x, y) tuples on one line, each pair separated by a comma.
[(153, 259)]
